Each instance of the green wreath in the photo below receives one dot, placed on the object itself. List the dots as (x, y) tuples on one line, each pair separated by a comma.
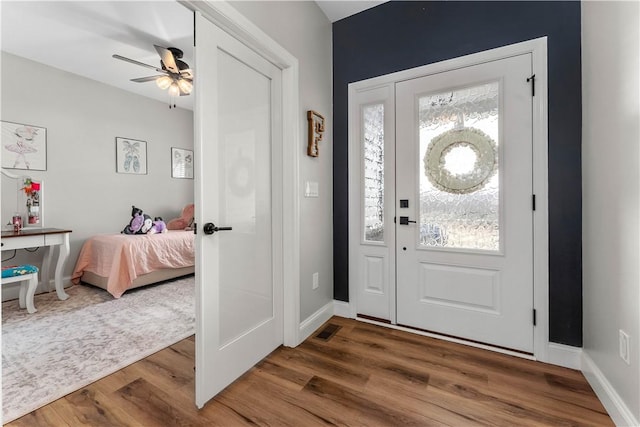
[(484, 168)]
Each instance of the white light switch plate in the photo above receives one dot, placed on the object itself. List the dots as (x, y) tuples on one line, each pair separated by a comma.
[(311, 189)]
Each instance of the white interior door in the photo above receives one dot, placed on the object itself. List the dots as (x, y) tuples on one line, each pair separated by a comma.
[(464, 214), (238, 274)]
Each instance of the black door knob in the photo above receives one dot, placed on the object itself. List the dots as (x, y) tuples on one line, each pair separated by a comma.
[(404, 220), (210, 228)]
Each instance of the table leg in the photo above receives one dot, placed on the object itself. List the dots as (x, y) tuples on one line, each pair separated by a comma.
[(62, 258), (46, 266)]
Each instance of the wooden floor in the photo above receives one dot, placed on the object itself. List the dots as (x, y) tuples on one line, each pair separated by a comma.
[(363, 375)]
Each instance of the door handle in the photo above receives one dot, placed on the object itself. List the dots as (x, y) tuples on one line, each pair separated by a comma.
[(404, 220), (210, 228)]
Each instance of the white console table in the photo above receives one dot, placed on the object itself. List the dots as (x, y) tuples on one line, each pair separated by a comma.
[(46, 238)]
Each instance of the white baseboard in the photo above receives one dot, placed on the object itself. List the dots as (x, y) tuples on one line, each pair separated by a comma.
[(564, 355), (313, 322), (612, 402), (341, 308)]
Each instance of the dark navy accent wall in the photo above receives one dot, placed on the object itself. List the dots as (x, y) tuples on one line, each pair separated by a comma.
[(400, 35)]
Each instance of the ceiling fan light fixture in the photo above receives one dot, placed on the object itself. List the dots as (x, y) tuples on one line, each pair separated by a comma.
[(185, 86), (164, 82), (174, 90)]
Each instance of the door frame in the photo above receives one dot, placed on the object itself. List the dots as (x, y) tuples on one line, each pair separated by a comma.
[(238, 26), (538, 50)]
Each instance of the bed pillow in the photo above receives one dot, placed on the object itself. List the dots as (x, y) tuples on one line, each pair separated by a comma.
[(184, 221)]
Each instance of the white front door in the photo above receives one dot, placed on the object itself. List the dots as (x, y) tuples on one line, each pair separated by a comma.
[(464, 217), (239, 309)]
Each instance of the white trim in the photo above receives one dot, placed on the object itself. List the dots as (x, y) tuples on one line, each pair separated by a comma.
[(564, 355), (538, 49), (317, 319), (611, 400), (231, 21), (354, 187), (341, 308)]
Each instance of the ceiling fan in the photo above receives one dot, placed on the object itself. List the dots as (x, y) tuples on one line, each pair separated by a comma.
[(176, 75)]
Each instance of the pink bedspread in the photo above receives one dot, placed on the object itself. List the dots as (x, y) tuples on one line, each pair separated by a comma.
[(122, 257)]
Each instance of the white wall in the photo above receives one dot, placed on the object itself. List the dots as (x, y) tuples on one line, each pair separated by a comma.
[(303, 29), (611, 193), (82, 191)]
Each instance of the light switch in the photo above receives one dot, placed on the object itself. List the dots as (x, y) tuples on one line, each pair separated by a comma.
[(311, 189)]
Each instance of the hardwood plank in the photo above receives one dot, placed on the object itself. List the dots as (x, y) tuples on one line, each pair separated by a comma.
[(86, 407), (154, 407), (350, 356), (369, 411), (43, 417), (276, 405), (283, 375), (306, 363), (410, 355), (360, 374)]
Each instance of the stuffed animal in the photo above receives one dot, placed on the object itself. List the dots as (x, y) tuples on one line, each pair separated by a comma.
[(158, 226), (137, 219), (147, 223), (140, 222)]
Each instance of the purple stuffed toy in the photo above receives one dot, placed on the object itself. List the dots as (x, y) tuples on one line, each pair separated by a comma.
[(137, 220), (158, 226)]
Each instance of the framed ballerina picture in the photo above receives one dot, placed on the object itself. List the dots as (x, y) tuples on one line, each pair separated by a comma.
[(23, 146), (131, 156)]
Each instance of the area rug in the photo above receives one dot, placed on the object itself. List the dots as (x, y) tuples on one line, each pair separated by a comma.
[(67, 345)]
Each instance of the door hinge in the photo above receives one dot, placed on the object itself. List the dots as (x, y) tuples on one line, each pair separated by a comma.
[(195, 228), (533, 202), (534, 317), (532, 79), (394, 219)]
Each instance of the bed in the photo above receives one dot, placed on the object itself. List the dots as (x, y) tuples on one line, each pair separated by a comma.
[(118, 262)]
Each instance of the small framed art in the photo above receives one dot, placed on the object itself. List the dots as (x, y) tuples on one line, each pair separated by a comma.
[(181, 163), (131, 156), (24, 146)]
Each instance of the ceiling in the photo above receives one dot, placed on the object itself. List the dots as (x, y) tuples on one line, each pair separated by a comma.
[(80, 36), (336, 10)]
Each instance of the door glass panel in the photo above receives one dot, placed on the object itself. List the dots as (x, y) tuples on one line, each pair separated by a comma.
[(373, 148), (458, 165), (244, 173)]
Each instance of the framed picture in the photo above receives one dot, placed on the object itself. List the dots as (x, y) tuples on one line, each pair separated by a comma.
[(131, 156), (181, 163), (24, 146)]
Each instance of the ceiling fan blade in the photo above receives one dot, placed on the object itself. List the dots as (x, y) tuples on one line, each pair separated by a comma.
[(167, 59), (145, 79), (142, 64), (187, 74)]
